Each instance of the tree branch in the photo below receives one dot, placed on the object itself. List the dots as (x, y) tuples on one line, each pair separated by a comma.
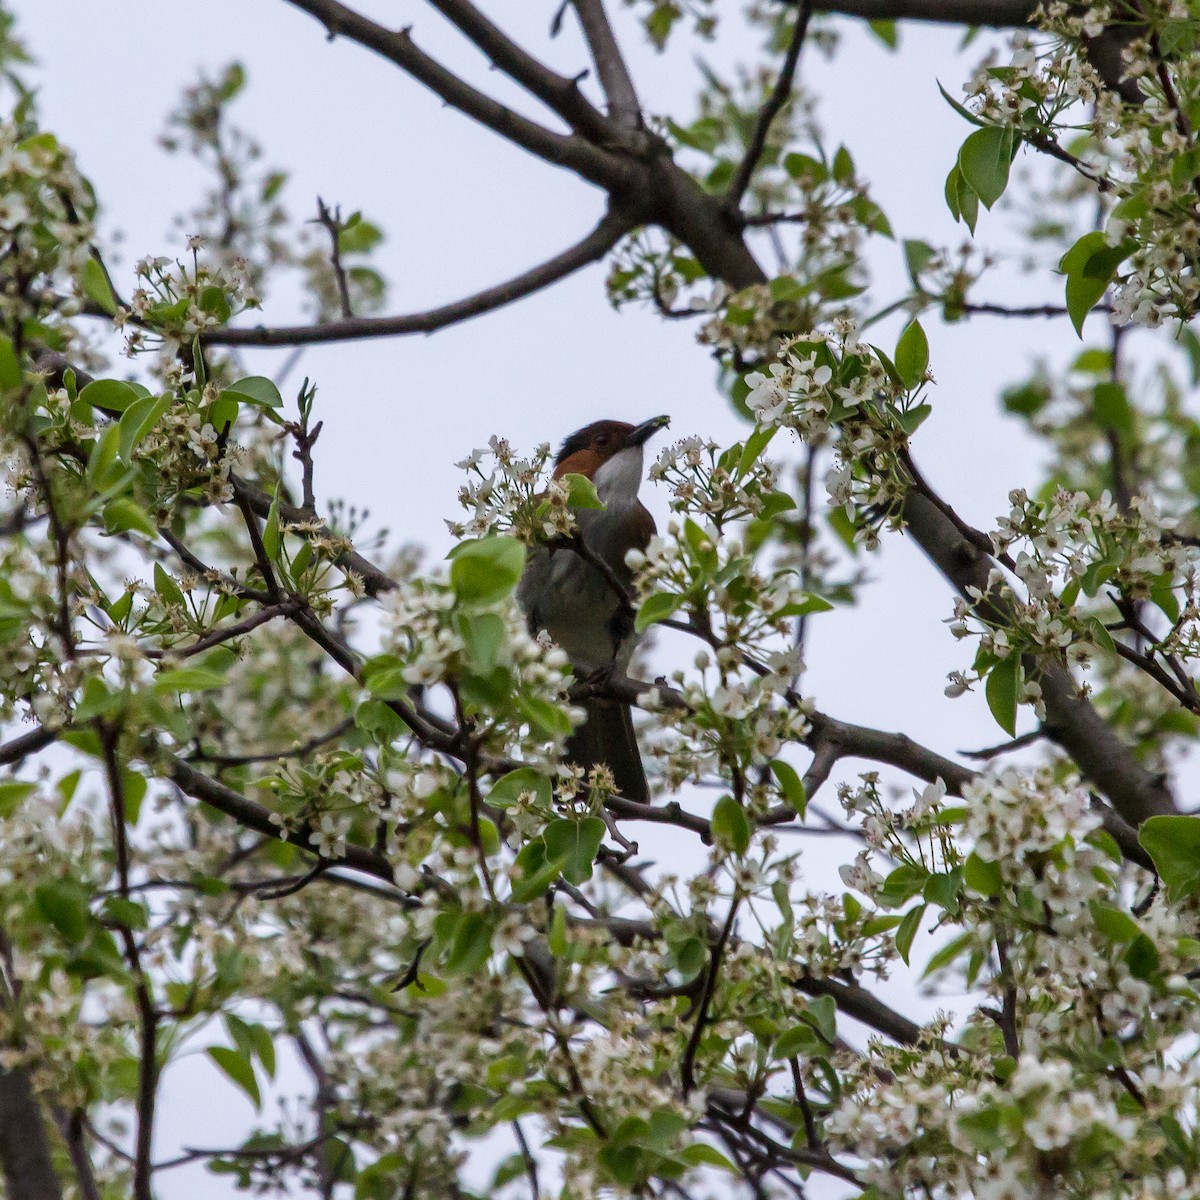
[(996, 14), (25, 1160), (255, 816), (1071, 721), (397, 46), (595, 246), (780, 94), (558, 92), (623, 104)]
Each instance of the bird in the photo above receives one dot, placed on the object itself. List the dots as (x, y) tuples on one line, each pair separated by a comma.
[(573, 601)]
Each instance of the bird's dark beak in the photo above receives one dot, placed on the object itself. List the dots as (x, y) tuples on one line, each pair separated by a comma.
[(646, 430)]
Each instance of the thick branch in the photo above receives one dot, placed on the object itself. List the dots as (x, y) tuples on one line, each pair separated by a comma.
[(595, 246), (623, 104), (397, 46), (997, 14), (1071, 721), (24, 1148)]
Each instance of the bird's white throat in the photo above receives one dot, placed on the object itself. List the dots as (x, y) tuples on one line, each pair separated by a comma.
[(617, 481)]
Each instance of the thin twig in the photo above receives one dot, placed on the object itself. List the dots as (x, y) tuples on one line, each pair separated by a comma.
[(331, 221), (612, 227), (774, 104)]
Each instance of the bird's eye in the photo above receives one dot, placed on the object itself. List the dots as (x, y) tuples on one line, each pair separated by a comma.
[(602, 439)]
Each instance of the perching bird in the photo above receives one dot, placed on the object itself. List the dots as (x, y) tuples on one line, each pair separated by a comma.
[(570, 598)]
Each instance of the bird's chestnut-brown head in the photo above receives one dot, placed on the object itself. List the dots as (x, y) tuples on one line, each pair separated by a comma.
[(588, 449)]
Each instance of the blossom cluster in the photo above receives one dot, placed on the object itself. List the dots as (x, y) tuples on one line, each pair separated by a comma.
[(1138, 152), (512, 496), (831, 390), (718, 486), (46, 212), (1073, 550)]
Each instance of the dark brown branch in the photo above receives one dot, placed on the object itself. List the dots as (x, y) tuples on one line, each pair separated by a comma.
[(20, 748), (71, 1127), (25, 1161), (780, 94), (255, 816), (1017, 743), (995, 14), (623, 104), (331, 221), (397, 46), (226, 634), (147, 1059), (591, 249), (706, 997), (303, 750), (558, 92), (1071, 721)]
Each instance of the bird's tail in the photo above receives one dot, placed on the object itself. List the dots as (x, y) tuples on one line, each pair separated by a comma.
[(606, 738)]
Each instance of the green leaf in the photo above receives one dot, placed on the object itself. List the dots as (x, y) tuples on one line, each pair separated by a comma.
[(949, 952), (908, 930), (912, 355), (1083, 295), (790, 784), (730, 826), (358, 236), (534, 872), (984, 160), (965, 113), (507, 790), (1089, 266), (917, 256), (701, 1154), (798, 1040), (12, 794), (472, 945), (10, 369), (1001, 693), (103, 458), (64, 903), (902, 883), (96, 287), (885, 31), (487, 570), (127, 913), (1142, 957), (656, 607), (577, 843), (169, 592), (755, 444), (256, 390), (270, 533), (122, 515), (1114, 923), (581, 492), (137, 421), (821, 1012), (545, 715), (187, 679), (968, 202), (110, 395), (1173, 842), (236, 1065), (981, 876), (843, 166), (1112, 407)]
